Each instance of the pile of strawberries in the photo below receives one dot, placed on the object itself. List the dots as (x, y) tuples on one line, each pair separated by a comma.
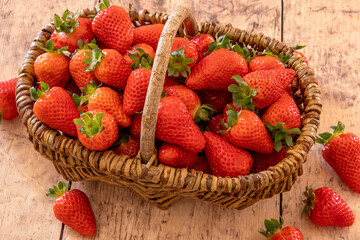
[(226, 110)]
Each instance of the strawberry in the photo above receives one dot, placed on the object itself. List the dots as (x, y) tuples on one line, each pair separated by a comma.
[(72, 87), (134, 50), (55, 108), (8, 110), (183, 57), (274, 231), (264, 87), (97, 130), (225, 159), (283, 110), (202, 42), (265, 63), (113, 27), (52, 67), (135, 91), (298, 47), (215, 124), (109, 67), (173, 121), (106, 99), (326, 208), (217, 71), (135, 127), (73, 208), (127, 145), (200, 113), (246, 130), (175, 156), (218, 99), (70, 29), (202, 165), (149, 34), (170, 81), (263, 161), (342, 152)]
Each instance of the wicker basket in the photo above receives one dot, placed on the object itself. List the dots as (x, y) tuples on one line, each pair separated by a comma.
[(160, 184)]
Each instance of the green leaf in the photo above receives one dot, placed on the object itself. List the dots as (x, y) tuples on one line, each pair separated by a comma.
[(269, 225), (49, 45), (64, 17), (78, 122), (80, 44), (297, 47), (87, 60)]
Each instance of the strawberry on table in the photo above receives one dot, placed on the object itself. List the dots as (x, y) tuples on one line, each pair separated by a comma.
[(8, 110), (127, 145), (176, 156), (342, 152), (70, 29), (274, 231), (326, 208), (202, 42), (97, 130), (107, 99), (52, 67), (149, 34), (176, 126), (55, 108), (72, 207), (225, 159), (113, 27), (202, 165)]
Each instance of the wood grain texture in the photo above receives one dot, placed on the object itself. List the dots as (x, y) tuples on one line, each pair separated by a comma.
[(331, 31)]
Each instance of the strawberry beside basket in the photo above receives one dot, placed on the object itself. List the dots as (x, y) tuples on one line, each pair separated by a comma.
[(154, 182)]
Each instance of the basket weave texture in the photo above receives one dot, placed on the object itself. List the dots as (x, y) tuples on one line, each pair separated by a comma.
[(159, 184)]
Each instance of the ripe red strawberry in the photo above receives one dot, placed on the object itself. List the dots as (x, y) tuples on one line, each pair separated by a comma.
[(217, 71), (175, 156), (173, 121), (8, 110), (70, 29), (77, 69), (225, 159), (113, 27), (55, 108), (298, 47), (52, 67), (145, 47), (342, 152), (135, 91), (215, 124), (108, 100), (202, 42), (127, 145), (283, 110), (72, 87), (72, 207), (246, 130), (97, 130), (202, 165), (217, 99), (183, 57), (170, 81), (326, 208), (274, 231), (265, 63), (263, 161), (135, 127), (149, 34), (200, 113), (109, 67)]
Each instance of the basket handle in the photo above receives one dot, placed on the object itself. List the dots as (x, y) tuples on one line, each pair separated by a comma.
[(153, 95)]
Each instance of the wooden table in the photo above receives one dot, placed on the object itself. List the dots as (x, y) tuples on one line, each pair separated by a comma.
[(331, 31)]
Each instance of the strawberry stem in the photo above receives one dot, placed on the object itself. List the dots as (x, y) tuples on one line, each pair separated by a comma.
[(89, 125), (309, 201), (281, 136), (141, 59), (178, 63), (326, 136), (219, 43), (49, 47), (242, 94), (297, 47), (67, 23), (103, 5), (57, 191), (272, 226), (204, 114), (36, 94), (96, 55)]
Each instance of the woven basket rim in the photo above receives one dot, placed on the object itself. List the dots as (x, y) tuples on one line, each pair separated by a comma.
[(294, 158)]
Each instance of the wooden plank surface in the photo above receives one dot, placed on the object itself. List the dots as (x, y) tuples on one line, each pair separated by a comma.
[(331, 31)]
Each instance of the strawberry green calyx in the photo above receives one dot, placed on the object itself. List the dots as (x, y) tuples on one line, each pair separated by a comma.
[(96, 55), (102, 5), (204, 114), (297, 47), (89, 125), (244, 52), (88, 91), (232, 117), (280, 136), (281, 57), (141, 59), (178, 63), (36, 94), (49, 47), (86, 45), (326, 136), (57, 191), (309, 201), (223, 41), (242, 94), (67, 23), (272, 226)]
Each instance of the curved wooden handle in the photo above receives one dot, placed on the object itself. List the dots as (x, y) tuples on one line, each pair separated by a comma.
[(153, 95)]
